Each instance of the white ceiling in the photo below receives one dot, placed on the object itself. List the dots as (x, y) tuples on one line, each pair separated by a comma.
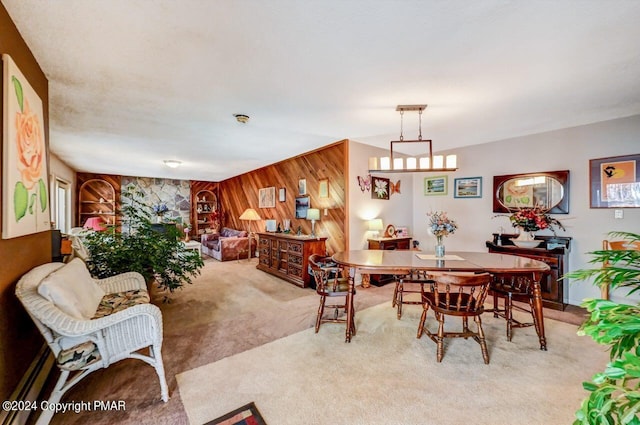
[(135, 82)]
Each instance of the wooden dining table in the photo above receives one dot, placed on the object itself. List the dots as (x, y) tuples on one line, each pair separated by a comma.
[(399, 262)]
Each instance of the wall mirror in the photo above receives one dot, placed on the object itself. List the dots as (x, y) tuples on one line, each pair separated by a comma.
[(548, 190)]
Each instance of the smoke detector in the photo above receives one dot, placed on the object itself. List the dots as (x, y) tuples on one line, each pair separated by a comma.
[(242, 118)]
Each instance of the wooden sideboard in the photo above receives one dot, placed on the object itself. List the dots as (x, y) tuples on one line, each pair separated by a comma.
[(287, 255), (553, 250), (388, 244)]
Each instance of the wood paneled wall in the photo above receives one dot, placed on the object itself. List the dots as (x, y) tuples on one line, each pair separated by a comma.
[(20, 341), (330, 162)]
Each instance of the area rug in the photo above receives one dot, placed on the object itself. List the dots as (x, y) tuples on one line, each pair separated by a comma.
[(388, 376), (245, 415)]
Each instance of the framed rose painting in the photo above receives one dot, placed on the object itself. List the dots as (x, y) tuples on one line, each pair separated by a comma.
[(25, 190)]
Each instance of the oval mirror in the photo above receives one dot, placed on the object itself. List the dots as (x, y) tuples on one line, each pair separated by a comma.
[(546, 190)]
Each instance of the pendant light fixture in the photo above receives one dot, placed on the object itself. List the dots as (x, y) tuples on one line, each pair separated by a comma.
[(425, 162)]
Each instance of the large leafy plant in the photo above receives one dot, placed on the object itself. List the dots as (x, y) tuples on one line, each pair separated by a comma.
[(154, 251), (614, 393)]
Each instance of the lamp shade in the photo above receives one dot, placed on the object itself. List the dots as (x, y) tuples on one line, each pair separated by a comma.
[(313, 214), (94, 223), (250, 214), (375, 224)]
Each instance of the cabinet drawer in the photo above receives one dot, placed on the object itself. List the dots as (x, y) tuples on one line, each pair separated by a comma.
[(295, 271), (296, 260), (296, 247), (551, 261), (264, 242)]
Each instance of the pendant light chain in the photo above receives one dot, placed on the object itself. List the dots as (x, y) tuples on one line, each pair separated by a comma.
[(401, 124), (420, 125)]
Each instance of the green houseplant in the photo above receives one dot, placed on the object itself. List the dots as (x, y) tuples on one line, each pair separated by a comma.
[(614, 393), (158, 255)]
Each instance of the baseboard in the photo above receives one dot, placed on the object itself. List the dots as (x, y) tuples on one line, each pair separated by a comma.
[(29, 388)]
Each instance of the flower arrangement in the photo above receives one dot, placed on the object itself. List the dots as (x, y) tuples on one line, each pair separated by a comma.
[(441, 225), (534, 218), (160, 209)]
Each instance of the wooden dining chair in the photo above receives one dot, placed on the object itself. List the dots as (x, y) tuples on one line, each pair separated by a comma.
[(511, 287), (456, 294), (617, 246), (406, 284), (330, 283)]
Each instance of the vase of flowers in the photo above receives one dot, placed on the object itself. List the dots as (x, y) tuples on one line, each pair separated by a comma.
[(532, 219), (441, 225), (159, 210)]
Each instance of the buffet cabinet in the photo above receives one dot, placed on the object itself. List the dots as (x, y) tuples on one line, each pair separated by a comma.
[(553, 250), (287, 255)]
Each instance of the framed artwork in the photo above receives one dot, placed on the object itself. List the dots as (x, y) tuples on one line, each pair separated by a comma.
[(282, 194), (267, 197), (379, 188), (302, 187), (302, 205), (467, 187), (25, 191), (435, 185), (614, 182), (323, 188)]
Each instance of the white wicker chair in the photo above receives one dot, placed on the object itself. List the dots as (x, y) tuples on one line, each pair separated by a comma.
[(117, 336)]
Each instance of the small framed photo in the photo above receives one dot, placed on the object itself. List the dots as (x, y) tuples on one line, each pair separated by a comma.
[(282, 194), (437, 185), (380, 188), (267, 197), (615, 182), (323, 188), (302, 205), (302, 187), (467, 187)]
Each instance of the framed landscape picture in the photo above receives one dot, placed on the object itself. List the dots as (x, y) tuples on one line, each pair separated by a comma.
[(302, 205), (267, 197), (467, 187), (435, 185)]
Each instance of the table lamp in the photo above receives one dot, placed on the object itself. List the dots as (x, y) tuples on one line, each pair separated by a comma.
[(249, 215), (313, 214), (375, 225)]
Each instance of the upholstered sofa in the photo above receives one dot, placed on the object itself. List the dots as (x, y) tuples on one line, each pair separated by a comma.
[(228, 244)]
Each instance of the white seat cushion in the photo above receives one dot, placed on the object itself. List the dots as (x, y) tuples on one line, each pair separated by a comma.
[(72, 290)]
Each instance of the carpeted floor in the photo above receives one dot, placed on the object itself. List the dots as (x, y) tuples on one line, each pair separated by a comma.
[(232, 307)]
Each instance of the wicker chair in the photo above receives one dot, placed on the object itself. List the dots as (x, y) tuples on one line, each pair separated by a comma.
[(118, 331), (456, 294)]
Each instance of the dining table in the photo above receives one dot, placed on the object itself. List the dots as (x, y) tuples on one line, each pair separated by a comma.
[(403, 262)]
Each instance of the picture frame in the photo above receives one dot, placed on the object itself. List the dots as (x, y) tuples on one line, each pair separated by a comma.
[(614, 182), (25, 175), (282, 194), (267, 197), (436, 185), (302, 205), (467, 187), (323, 188), (380, 188), (302, 187)]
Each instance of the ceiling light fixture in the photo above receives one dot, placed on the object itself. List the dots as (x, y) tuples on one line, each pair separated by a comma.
[(424, 163), (242, 118), (172, 163)]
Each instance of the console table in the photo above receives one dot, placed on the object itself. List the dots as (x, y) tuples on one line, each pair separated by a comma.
[(386, 244), (553, 250), (287, 255)]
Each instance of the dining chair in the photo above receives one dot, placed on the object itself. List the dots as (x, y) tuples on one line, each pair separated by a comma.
[(456, 294), (513, 287), (617, 246), (411, 283), (330, 283)]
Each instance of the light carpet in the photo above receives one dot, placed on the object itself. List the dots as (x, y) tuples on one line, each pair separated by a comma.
[(388, 376)]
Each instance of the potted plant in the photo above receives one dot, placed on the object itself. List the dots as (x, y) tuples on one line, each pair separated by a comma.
[(614, 393), (160, 256)]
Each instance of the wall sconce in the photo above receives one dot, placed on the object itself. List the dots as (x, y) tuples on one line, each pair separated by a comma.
[(423, 164), (313, 214)]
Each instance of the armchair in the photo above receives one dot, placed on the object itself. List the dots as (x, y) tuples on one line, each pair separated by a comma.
[(120, 324), (228, 244)]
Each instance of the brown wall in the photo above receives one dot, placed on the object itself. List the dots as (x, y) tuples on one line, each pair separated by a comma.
[(241, 192), (19, 339)]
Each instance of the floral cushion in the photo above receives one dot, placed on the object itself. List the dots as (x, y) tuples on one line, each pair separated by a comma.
[(79, 356), (112, 303)]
